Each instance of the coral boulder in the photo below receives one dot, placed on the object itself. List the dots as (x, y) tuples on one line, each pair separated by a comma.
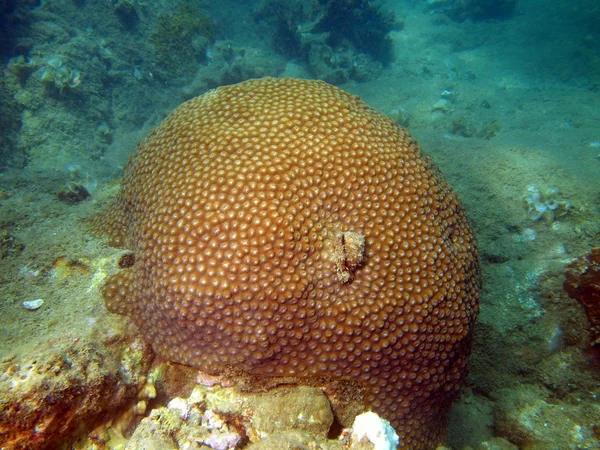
[(282, 228)]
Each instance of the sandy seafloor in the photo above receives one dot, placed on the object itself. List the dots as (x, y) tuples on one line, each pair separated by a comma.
[(533, 79)]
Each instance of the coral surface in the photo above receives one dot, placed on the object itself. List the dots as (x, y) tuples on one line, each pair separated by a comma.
[(282, 228)]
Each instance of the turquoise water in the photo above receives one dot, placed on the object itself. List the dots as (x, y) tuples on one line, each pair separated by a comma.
[(505, 96)]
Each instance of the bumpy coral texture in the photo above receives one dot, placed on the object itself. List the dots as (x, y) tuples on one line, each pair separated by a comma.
[(284, 228)]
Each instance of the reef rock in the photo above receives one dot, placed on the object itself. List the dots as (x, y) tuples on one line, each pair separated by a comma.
[(225, 417), (290, 417), (63, 387)]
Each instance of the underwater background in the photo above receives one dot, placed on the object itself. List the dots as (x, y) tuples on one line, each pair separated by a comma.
[(504, 95)]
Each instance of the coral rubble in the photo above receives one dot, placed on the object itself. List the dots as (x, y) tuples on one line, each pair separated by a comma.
[(544, 203), (283, 418)]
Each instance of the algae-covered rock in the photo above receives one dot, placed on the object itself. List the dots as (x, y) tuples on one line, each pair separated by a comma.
[(181, 38), (50, 393), (524, 414), (156, 431), (295, 440), (300, 408), (10, 122), (497, 444)]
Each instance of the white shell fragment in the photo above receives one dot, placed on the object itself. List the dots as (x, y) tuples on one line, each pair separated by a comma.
[(33, 304)]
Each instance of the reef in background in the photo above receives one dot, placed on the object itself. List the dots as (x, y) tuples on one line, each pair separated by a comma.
[(339, 40), (461, 10)]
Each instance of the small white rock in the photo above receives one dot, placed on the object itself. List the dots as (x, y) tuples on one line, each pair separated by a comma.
[(223, 441), (528, 235), (180, 406), (441, 105), (372, 428), (33, 304), (447, 94)]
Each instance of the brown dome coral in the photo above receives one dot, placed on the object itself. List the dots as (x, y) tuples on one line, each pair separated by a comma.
[(284, 228)]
